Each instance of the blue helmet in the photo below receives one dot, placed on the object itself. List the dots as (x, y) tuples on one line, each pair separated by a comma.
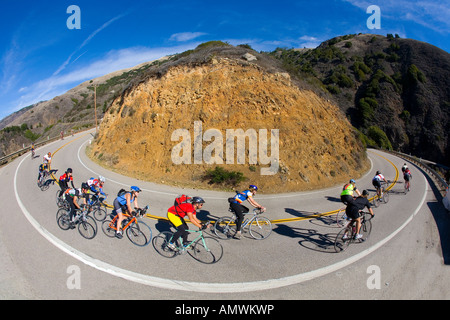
[(252, 186), (135, 189)]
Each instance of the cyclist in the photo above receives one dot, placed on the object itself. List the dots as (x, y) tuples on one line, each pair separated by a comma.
[(240, 210), (122, 204), (376, 182), (176, 215), (354, 208), (96, 186), (64, 181), (41, 171), (407, 176), (72, 197), (347, 192), (47, 161)]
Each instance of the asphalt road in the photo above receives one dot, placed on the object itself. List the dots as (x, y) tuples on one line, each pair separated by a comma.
[(406, 256)]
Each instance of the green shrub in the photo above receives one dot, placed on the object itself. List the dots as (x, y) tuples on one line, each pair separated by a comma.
[(221, 176), (380, 137)]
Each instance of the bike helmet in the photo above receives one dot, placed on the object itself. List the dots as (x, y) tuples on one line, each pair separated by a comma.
[(252, 186), (101, 179), (365, 193), (352, 181), (135, 189), (69, 170), (85, 186), (197, 200), (378, 172)]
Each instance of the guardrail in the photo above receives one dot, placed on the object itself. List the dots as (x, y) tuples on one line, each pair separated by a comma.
[(424, 165), (5, 159)]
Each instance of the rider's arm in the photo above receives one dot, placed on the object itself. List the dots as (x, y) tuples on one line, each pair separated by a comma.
[(194, 219), (254, 203), (75, 202)]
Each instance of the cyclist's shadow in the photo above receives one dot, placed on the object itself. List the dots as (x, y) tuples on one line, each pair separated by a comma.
[(309, 238)]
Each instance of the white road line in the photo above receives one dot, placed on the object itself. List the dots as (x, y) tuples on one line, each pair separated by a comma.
[(199, 286)]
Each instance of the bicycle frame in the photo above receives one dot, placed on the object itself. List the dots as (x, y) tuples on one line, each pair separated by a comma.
[(200, 232), (113, 223)]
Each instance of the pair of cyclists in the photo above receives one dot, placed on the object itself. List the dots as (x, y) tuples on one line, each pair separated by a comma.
[(179, 211)]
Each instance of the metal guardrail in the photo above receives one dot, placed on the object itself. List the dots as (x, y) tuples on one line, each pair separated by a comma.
[(424, 164)]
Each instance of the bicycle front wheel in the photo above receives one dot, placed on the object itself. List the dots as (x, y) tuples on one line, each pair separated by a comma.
[(136, 236), (87, 228), (100, 214), (366, 228), (225, 228), (206, 250), (160, 243), (343, 239), (260, 228), (64, 222)]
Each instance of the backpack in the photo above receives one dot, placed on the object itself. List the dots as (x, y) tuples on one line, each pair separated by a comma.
[(180, 200), (121, 192)]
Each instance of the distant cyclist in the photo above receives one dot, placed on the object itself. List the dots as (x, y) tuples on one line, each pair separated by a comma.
[(347, 192), (64, 181), (407, 176), (240, 210), (176, 215), (122, 204), (47, 161), (376, 182), (354, 208)]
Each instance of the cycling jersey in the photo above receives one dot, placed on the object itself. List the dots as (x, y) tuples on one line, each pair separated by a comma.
[(182, 209), (348, 190), (65, 177), (122, 200), (47, 159), (378, 177), (242, 196), (73, 192)]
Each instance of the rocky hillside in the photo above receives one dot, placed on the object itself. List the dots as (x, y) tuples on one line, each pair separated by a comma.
[(72, 111), (173, 118), (395, 91)]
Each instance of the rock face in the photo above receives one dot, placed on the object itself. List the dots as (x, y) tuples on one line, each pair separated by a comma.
[(172, 127)]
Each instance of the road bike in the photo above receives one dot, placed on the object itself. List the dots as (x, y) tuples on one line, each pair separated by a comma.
[(87, 226), (43, 183), (203, 248), (133, 228), (383, 198), (347, 235), (259, 227)]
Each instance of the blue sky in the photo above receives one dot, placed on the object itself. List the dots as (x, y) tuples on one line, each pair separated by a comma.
[(40, 57)]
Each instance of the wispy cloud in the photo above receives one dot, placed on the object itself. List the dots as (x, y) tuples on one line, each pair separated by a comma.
[(434, 15), (112, 61), (85, 42), (186, 36)]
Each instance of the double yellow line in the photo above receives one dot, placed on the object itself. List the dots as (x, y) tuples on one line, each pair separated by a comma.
[(314, 216)]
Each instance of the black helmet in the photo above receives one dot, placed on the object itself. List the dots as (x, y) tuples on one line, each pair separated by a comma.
[(69, 170), (84, 185), (197, 200)]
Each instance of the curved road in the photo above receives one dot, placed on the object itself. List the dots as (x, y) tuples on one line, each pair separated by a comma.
[(403, 259)]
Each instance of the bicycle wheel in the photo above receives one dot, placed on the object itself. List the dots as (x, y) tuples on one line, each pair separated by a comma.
[(341, 218), (107, 229), (343, 239), (206, 250), (87, 228), (146, 230), (64, 222), (61, 212), (366, 227), (160, 243), (385, 196), (375, 201), (136, 236), (100, 214), (260, 228), (225, 228)]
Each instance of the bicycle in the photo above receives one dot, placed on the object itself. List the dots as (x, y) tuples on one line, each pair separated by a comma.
[(87, 226), (259, 227), (43, 182), (99, 208), (203, 248), (383, 198), (346, 236), (342, 218), (130, 225)]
